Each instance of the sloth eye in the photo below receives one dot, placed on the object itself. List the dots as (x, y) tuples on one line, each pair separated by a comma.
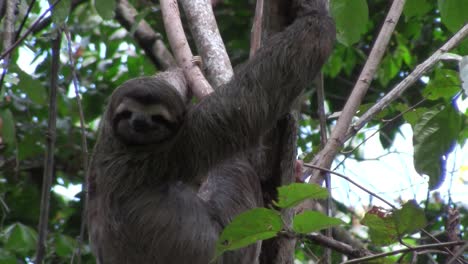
[(124, 115)]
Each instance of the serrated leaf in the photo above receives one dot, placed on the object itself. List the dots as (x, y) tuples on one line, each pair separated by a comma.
[(105, 8), (311, 221), (293, 194), (351, 17), (20, 239), (453, 13), (433, 138), (409, 218), (249, 227), (382, 229)]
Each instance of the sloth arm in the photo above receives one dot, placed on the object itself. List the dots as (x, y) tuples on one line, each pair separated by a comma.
[(235, 116)]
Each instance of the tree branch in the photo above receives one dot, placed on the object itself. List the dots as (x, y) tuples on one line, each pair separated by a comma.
[(8, 37), (149, 40), (404, 250), (325, 157), (179, 45), (408, 81), (210, 46), (337, 246)]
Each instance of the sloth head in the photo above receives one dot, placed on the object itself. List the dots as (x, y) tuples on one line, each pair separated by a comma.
[(147, 110)]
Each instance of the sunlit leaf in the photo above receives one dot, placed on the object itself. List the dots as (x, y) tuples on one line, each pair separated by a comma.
[(409, 218), (249, 227), (382, 229), (311, 221), (291, 195)]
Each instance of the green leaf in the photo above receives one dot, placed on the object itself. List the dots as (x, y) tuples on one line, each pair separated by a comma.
[(7, 128), (20, 239), (388, 69), (311, 221), (433, 138), (249, 227), (453, 13), (64, 245), (416, 8), (382, 229), (6, 257), (291, 195), (32, 88), (351, 17), (61, 11), (409, 218), (445, 84), (105, 8)]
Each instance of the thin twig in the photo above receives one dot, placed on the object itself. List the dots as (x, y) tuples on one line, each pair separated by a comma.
[(412, 249), (326, 156), (459, 253), (84, 145), (319, 86), (351, 181), (148, 39), (378, 130), (256, 33), (337, 246), (408, 81), (25, 18), (19, 40), (50, 150), (181, 49)]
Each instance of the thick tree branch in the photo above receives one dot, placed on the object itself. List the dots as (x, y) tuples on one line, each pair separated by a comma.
[(325, 157), (8, 37), (408, 81), (149, 40), (179, 45), (209, 43)]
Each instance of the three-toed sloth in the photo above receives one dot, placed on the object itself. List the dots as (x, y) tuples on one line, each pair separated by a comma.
[(154, 151)]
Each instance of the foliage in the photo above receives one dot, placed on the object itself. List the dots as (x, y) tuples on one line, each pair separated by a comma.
[(106, 55)]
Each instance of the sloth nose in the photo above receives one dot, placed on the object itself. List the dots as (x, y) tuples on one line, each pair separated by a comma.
[(140, 124)]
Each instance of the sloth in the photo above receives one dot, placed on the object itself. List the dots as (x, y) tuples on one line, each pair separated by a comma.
[(166, 177)]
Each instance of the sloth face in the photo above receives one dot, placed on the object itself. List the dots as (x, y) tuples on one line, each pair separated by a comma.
[(137, 123), (146, 111)]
